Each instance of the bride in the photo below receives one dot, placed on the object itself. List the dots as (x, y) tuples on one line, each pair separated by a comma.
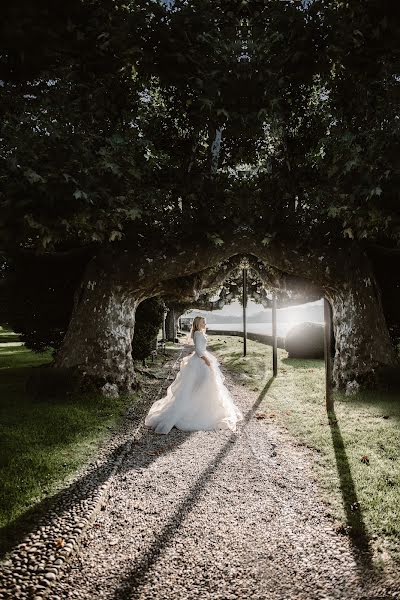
[(197, 399)]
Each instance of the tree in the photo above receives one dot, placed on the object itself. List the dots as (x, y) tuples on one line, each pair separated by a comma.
[(168, 138)]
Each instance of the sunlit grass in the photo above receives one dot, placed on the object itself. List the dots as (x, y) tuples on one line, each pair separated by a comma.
[(363, 425), (42, 441), (7, 335)]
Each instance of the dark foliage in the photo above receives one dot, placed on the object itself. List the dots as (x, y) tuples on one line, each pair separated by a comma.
[(110, 117), (149, 316), (386, 267), (111, 111), (38, 296)]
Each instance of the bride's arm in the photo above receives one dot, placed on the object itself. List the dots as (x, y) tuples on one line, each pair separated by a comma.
[(200, 346)]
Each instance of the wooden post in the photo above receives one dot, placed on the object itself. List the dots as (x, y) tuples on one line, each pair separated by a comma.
[(328, 357), (244, 311), (164, 333), (274, 338)]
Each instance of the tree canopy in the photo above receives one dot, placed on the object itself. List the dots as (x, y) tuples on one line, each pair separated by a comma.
[(125, 121)]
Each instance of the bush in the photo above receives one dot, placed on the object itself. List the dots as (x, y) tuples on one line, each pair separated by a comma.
[(36, 297), (149, 317), (305, 340)]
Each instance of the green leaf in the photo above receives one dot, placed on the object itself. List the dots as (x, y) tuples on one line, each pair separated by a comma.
[(115, 235), (215, 239), (116, 139), (33, 177), (79, 194), (222, 111), (114, 168), (333, 170), (46, 240), (134, 213), (267, 239), (206, 102), (135, 173), (348, 233)]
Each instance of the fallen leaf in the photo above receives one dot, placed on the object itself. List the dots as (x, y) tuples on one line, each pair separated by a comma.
[(261, 415), (264, 415), (60, 542)]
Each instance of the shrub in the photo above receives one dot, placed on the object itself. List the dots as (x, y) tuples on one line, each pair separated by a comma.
[(148, 321), (37, 297), (305, 340)]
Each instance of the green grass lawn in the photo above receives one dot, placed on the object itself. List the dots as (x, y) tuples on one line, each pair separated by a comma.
[(42, 442), (364, 497), (7, 335)]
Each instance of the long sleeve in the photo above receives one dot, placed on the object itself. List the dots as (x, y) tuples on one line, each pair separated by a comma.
[(200, 343)]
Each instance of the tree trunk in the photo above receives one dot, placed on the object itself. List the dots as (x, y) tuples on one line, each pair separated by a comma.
[(172, 322), (363, 349), (170, 325), (98, 342), (97, 346)]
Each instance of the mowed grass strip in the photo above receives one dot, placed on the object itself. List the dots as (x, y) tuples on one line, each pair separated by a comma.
[(7, 335), (357, 449), (42, 442)]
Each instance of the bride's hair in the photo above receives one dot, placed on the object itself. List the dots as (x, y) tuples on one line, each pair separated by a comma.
[(196, 325)]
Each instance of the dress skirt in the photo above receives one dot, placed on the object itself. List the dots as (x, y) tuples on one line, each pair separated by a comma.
[(197, 400)]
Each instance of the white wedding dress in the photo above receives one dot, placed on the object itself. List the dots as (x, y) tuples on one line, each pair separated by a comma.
[(197, 399)]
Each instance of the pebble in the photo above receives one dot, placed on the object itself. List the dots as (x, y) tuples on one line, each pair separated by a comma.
[(73, 513), (217, 517), (204, 515)]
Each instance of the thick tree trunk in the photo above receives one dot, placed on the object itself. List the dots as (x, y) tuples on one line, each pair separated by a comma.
[(170, 325), (363, 349), (172, 320), (97, 346), (98, 342)]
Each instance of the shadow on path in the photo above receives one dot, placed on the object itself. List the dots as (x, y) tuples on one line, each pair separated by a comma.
[(60, 503), (131, 587), (356, 528), (80, 490), (143, 565)]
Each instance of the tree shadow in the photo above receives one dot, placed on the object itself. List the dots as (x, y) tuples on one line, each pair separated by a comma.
[(384, 402), (81, 489), (13, 533), (164, 537), (355, 528)]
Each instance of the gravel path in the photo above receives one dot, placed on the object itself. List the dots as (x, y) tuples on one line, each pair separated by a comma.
[(216, 515)]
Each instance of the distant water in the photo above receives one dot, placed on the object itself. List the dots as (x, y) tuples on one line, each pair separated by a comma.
[(265, 328)]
